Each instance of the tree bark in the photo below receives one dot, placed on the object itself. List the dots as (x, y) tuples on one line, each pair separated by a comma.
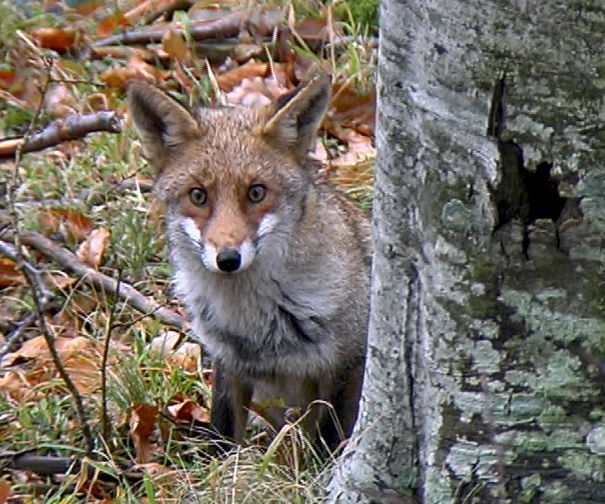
[(486, 357)]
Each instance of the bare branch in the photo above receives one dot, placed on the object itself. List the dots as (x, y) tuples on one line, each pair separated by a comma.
[(126, 292), (227, 26), (166, 10), (45, 295), (39, 291), (13, 337), (109, 328), (61, 130), (43, 465), (41, 296)]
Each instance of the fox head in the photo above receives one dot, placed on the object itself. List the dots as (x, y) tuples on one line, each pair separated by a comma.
[(229, 176)]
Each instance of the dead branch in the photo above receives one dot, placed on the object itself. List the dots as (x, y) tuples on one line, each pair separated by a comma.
[(42, 465), (142, 185), (61, 130), (126, 292), (110, 327), (41, 295), (216, 50), (227, 26), (167, 10), (45, 296), (15, 336), (122, 52), (39, 291), (50, 465)]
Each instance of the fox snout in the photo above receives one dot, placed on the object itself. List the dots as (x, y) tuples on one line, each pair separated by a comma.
[(229, 249), (228, 259)]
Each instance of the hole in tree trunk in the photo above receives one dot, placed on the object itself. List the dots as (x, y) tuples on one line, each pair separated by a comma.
[(543, 191), (521, 194)]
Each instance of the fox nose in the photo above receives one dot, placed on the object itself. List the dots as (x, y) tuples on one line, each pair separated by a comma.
[(228, 260)]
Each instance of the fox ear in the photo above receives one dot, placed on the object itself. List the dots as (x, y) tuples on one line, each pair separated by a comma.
[(297, 115), (161, 122)]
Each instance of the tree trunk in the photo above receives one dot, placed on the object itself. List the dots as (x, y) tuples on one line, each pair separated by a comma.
[(486, 360)]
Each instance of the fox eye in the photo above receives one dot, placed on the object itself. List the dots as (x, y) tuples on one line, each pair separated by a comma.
[(257, 193), (198, 196)]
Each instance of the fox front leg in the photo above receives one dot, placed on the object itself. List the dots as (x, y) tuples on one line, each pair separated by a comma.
[(343, 395), (231, 398)]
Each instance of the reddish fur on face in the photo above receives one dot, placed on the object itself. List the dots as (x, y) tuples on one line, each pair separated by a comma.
[(229, 218)]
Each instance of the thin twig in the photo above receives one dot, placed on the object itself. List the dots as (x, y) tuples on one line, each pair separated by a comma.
[(50, 342), (78, 81), (46, 295), (13, 337), (166, 10), (109, 328), (12, 253), (48, 465), (37, 286)]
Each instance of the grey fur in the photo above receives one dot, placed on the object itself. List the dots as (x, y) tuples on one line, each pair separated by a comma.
[(293, 324)]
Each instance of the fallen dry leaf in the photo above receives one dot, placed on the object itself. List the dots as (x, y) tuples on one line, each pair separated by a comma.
[(88, 7), (188, 411), (122, 52), (175, 46), (78, 355), (61, 282), (135, 69), (108, 25), (8, 78), (142, 423), (165, 342), (260, 91), (353, 111), (250, 93), (186, 356), (91, 250), (57, 39), (5, 492), (313, 29), (10, 274), (359, 149), (13, 384), (71, 224), (319, 153), (30, 349), (228, 80), (59, 101)]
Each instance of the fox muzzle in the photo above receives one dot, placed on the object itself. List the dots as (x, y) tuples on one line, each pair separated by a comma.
[(228, 260)]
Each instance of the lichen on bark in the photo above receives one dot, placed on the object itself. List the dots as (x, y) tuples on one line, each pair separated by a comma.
[(490, 257)]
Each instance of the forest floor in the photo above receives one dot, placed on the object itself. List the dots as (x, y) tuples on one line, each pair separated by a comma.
[(103, 398)]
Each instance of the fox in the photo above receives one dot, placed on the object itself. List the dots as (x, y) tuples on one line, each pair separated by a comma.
[(271, 262)]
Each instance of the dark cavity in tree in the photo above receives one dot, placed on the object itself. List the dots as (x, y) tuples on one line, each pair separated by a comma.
[(521, 194)]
